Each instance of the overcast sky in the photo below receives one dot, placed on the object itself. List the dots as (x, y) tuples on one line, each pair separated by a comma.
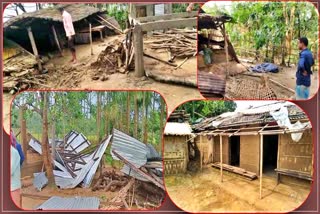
[(30, 7)]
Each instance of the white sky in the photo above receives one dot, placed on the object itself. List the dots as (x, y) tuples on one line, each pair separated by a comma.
[(247, 103), (30, 7)]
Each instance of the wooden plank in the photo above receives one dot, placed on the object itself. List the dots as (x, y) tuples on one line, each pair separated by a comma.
[(167, 17), (261, 164), (138, 51), (221, 166), (169, 24), (295, 174), (56, 38), (34, 47), (90, 36), (236, 170)]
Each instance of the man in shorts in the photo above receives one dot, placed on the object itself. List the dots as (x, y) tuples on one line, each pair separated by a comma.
[(70, 33), (304, 72)]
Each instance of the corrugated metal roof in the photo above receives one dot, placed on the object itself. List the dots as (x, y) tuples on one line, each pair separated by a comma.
[(75, 203), (173, 128), (152, 153), (40, 180), (128, 147), (76, 142), (128, 171), (97, 157), (35, 145)]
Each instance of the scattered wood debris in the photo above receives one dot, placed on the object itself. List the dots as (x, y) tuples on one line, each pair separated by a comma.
[(236, 170)]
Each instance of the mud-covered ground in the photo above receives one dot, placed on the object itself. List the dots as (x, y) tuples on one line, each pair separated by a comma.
[(203, 192)]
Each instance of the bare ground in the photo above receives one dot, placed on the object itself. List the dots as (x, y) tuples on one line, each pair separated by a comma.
[(203, 192)]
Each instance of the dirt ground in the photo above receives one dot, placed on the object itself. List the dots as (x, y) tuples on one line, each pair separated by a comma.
[(203, 192), (172, 93)]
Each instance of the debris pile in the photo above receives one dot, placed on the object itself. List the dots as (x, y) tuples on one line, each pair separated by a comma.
[(139, 182), (179, 116), (179, 43)]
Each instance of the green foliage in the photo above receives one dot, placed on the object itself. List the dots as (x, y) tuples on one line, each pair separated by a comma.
[(182, 7), (204, 108), (119, 12)]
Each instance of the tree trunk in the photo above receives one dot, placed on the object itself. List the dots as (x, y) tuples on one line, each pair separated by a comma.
[(136, 116), (128, 112), (162, 118), (145, 136), (44, 142), (98, 116), (143, 115)]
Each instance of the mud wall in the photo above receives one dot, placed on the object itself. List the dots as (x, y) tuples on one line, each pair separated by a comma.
[(249, 152), (296, 156), (205, 146), (175, 154), (225, 149)]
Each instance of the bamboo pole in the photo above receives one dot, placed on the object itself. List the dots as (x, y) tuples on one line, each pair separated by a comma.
[(56, 38), (221, 167), (90, 36), (226, 47), (261, 163), (34, 47)]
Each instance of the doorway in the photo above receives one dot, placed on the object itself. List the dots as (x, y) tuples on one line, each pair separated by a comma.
[(270, 154), (235, 150)]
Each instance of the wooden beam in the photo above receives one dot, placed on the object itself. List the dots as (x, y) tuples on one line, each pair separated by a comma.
[(221, 166), (226, 47), (34, 47), (23, 132), (56, 38), (169, 24), (167, 17), (90, 37), (261, 163), (138, 51)]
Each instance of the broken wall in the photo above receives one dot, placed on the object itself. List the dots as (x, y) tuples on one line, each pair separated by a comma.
[(296, 156), (249, 152), (175, 154)]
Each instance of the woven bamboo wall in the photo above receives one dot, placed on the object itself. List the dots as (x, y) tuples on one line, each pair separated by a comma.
[(175, 154), (249, 152)]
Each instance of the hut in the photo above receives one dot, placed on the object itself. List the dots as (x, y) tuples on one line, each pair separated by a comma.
[(273, 140), (42, 31), (176, 155)]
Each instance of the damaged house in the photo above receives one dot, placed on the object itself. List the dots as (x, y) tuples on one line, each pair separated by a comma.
[(37, 34), (274, 139)]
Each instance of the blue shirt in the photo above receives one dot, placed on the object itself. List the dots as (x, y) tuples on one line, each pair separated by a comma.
[(19, 149), (305, 62)]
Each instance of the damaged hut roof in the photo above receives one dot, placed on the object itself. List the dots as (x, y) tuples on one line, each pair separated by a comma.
[(179, 129), (77, 11), (206, 21), (252, 116)]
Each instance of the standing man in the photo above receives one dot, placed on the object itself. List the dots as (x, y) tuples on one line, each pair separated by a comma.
[(304, 72), (68, 27)]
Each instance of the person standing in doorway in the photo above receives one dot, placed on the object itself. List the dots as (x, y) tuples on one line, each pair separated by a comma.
[(70, 33), (304, 72)]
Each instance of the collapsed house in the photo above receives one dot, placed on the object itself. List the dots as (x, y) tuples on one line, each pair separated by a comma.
[(222, 74), (273, 140), (76, 163), (40, 33)]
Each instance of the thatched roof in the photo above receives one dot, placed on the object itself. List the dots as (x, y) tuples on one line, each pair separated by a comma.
[(253, 116), (77, 11), (206, 21)]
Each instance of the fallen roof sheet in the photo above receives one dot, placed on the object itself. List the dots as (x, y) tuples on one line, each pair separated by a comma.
[(98, 154), (76, 142), (40, 180), (128, 147), (128, 171), (179, 129), (75, 203), (152, 153), (35, 145)]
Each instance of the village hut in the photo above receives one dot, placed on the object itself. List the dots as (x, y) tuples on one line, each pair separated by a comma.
[(176, 155), (44, 27), (273, 140)]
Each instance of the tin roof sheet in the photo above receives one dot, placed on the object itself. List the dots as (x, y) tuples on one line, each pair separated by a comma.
[(75, 203)]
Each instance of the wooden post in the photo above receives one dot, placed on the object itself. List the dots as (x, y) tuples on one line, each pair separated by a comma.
[(90, 36), (221, 169), (23, 127), (226, 47), (138, 50), (101, 35), (34, 47), (56, 38), (261, 163)]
